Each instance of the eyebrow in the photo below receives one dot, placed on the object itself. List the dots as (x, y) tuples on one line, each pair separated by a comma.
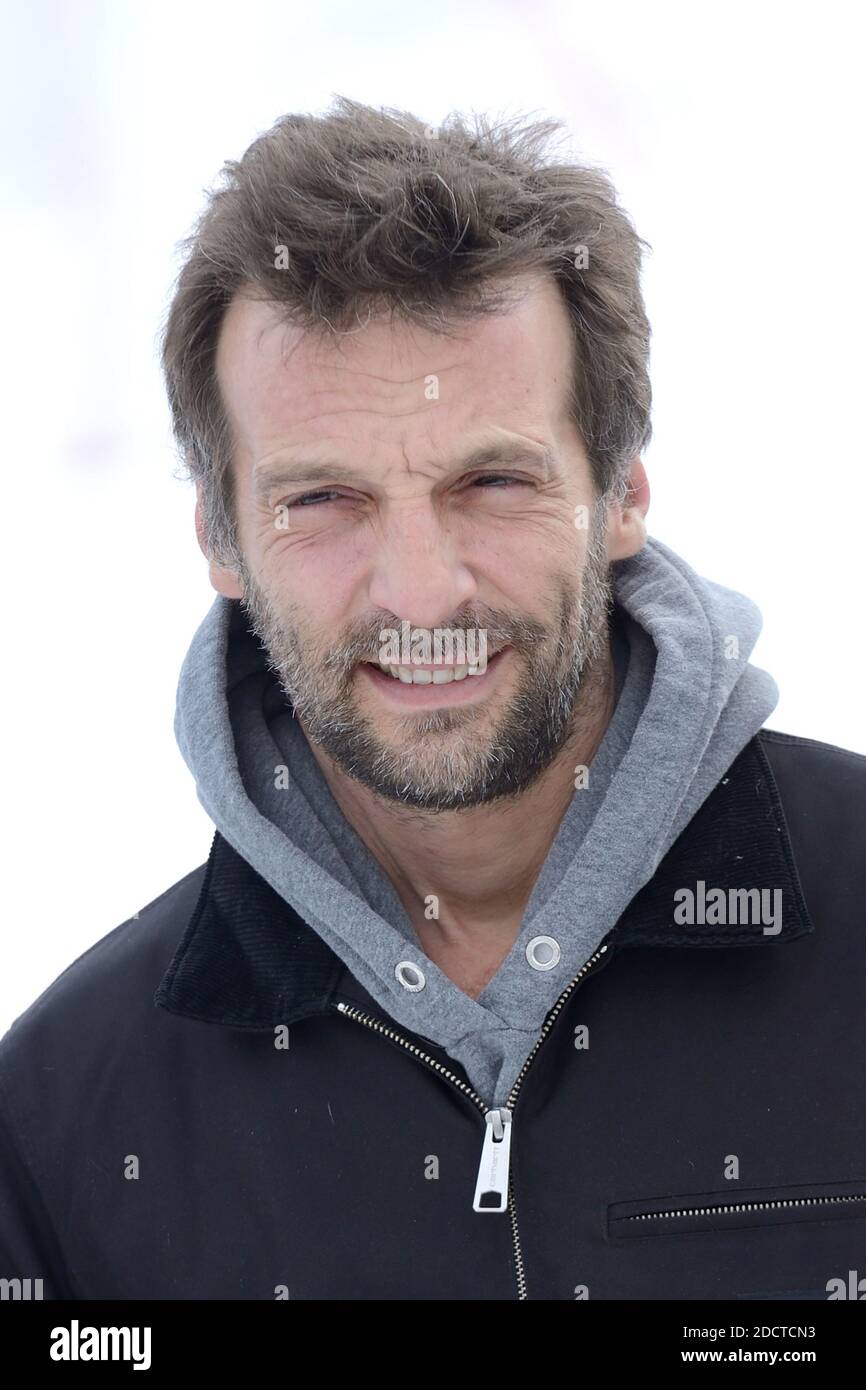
[(306, 471)]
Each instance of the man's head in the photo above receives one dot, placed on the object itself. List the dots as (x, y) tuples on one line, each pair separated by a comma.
[(408, 372)]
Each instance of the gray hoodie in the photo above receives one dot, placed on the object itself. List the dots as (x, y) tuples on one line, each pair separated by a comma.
[(687, 703)]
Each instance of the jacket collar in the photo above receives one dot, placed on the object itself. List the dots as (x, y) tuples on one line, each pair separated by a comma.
[(247, 960)]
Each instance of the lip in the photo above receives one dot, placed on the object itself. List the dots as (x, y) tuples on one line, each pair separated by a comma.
[(426, 697)]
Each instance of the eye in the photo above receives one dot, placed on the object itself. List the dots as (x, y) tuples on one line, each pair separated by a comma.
[(487, 478), (312, 499)]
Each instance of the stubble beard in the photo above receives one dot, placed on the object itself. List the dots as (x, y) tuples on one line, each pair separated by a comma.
[(452, 758)]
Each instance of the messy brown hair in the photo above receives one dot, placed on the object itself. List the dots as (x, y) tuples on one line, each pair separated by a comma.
[(379, 212)]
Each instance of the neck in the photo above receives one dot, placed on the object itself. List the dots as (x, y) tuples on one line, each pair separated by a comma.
[(481, 862)]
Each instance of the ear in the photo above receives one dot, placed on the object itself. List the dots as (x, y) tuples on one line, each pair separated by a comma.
[(626, 528), (224, 580)]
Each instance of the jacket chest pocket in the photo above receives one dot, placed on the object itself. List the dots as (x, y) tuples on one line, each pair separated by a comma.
[(713, 1212)]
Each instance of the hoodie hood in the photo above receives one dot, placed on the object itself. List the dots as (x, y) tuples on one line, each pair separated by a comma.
[(688, 702)]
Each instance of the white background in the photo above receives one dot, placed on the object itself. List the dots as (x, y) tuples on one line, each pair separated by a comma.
[(733, 134)]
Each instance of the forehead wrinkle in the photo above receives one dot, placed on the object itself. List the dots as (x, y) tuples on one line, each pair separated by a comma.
[(395, 382), (490, 454)]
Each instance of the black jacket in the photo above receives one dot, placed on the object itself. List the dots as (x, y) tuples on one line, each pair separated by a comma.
[(159, 1139)]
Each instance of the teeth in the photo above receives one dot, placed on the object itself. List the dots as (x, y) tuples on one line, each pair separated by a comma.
[(411, 676)]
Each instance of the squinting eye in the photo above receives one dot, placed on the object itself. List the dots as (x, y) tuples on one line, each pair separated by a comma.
[(309, 499), (495, 478)]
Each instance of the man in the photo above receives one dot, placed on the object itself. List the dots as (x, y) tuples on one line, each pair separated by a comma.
[(527, 963)]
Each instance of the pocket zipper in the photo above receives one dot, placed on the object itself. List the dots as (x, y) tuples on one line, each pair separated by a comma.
[(740, 1207)]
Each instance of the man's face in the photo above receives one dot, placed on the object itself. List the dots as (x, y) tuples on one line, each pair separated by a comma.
[(362, 516)]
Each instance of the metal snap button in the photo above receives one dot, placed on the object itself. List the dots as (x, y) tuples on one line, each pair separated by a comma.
[(543, 953), (410, 976)]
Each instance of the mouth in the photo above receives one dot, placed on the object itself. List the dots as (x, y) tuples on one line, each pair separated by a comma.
[(428, 686)]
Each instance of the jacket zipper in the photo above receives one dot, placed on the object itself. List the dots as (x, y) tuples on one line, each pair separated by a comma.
[(743, 1206), (494, 1188)]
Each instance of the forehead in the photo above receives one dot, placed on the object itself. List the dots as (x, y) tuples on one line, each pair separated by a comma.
[(282, 386)]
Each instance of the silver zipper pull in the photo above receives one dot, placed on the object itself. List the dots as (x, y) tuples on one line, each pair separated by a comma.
[(491, 1189)]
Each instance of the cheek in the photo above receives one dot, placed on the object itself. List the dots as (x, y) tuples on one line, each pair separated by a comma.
[(526, 574), (317, 591)]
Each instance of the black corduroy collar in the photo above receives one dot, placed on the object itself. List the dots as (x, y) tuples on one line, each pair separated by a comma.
[(248, 960)]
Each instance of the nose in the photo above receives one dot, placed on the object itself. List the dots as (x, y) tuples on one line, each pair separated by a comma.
[(418, 575)]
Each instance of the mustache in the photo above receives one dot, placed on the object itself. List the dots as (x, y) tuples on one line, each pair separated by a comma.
[(501, 629)]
